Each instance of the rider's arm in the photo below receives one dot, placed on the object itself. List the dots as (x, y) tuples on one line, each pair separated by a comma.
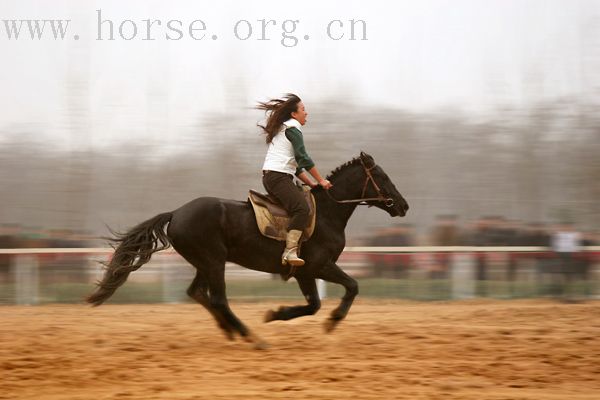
[(303, 176), (302, 158), (304, 161), (323, 182)]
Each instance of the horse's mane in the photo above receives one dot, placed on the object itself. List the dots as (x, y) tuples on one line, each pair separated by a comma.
[(333, 173)]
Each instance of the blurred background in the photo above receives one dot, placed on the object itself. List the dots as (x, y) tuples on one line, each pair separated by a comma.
[(484, 114)]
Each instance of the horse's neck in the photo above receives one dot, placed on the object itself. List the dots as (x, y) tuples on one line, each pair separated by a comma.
[(346, 185)]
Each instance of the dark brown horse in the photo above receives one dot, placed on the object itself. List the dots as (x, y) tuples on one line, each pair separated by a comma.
[(209, 231)]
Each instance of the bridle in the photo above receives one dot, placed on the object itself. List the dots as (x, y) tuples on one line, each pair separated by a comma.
[(388, 201)]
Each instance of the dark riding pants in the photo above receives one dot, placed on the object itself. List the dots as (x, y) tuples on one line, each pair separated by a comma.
[(282, 186)]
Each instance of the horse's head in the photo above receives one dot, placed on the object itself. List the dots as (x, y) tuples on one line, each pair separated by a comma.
[(379, 185)]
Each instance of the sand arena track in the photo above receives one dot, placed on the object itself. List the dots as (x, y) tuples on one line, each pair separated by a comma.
[(384, 350)]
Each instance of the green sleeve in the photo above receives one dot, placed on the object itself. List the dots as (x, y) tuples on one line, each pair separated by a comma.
[(304, 161)]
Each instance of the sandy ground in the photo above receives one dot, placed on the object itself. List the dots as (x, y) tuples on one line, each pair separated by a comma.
[(480, 349)]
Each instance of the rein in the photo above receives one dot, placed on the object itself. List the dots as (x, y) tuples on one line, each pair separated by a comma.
[(362, 201)]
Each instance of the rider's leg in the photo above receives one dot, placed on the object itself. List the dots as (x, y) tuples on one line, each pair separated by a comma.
[(281, 186)]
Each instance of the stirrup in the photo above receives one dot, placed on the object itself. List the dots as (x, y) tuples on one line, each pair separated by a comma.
[(294, 262)]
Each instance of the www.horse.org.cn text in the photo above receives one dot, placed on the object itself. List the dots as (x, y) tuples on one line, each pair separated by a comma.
[(284, 32)]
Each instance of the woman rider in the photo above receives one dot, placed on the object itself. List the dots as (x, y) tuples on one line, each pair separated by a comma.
[(286, 157)]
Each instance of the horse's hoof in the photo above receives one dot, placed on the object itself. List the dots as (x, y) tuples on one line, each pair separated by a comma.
[(229, 335), (261, 346), (269, 316), (256, 341), (227, 332), (330, 324)]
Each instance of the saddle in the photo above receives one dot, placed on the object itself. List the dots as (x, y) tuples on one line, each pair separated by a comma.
[(273, 220)]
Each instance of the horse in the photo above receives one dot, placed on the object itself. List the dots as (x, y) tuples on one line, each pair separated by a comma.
[(208, 231)]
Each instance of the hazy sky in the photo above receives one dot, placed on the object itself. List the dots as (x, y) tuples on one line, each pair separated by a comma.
[(420, 55)]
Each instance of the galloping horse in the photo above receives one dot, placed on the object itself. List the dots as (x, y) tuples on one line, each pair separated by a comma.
[(210, 231)]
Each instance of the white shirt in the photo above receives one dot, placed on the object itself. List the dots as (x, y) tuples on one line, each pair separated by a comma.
[(280, 154)]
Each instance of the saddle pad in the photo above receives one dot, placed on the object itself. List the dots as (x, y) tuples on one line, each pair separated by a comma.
[(273, 220)]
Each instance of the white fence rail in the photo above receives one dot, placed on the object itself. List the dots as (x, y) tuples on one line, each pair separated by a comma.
[(22, 281)]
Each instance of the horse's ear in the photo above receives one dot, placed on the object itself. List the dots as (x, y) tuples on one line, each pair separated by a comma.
[(367, 159)]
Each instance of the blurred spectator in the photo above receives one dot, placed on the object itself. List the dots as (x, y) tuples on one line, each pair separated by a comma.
[(394, 265), (9, 239), (481, 235), (589, 238), (66, 238), (534, 234), (14, 236), (445, 233), (33, 237), (9, 236), (496, 232), (587, 259), (566, 243), (513, 233)]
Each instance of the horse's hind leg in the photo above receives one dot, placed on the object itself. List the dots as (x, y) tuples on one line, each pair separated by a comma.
[(198, 291), (309, 290), (220, 305)]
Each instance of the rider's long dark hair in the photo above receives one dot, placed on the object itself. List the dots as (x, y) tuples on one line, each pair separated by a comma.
[(278, 111)]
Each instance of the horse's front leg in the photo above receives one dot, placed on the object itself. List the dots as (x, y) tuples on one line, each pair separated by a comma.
[(332, 273), (309, 290)]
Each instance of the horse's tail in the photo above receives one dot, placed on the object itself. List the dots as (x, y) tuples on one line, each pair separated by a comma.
[(132, 250)]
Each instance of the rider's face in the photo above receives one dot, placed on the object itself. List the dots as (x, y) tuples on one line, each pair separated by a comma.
[(300, 114)]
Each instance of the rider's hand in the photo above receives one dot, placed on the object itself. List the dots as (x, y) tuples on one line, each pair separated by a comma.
[(325, 184)]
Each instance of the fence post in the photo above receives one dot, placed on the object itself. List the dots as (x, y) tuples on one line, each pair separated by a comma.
[(26, 278), (322, 288), (463, 275), (169, 294)]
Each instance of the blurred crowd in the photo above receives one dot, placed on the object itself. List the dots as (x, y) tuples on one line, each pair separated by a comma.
[(15, 236), (562, 259), (485, 231)]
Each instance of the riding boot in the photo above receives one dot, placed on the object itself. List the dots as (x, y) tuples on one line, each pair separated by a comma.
[(290, 254)]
